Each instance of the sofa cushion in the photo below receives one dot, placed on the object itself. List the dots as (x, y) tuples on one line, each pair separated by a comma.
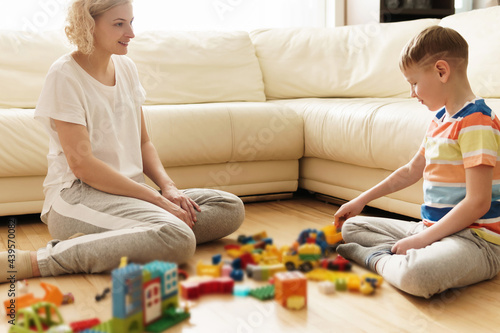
[(350, 61), (24, 61), (481, 29), (214, 133), (24, 144), (197, 67), (369, 132)]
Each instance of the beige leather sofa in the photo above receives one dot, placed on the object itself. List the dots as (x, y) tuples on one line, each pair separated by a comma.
[(326, 110)]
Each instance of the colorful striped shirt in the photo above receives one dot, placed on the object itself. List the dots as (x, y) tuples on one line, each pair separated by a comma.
[(469, 138)]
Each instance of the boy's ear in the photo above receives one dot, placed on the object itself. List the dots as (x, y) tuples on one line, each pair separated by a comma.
[(442, 68)]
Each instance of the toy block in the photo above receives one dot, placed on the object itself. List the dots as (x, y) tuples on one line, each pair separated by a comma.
[(208, 270), (168, 274), (264, 272), (332, 235), (193, 289), (241, 291), (171, 316), (216, 259), (289, 284), (226, 270), (337, 264), (326, 287), (263, 293), (127, 290), (236, 264), (296, 302), (366, 288), (232, 247), (341, 284), (190, 290), (374, 279), (353, 283), (81, 325), (234, 253), (237, 275), (246, 258), (252, 239)]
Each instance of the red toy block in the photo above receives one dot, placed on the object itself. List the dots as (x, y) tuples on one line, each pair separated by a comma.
[(195, 289), (190, 290), (288, 284), (232, 247), (246, 258), (82, 325)]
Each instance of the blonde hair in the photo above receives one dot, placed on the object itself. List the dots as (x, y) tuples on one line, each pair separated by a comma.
[(81, 21), (432, 44)]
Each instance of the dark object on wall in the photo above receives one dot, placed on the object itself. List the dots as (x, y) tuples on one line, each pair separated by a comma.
[(404, 10)]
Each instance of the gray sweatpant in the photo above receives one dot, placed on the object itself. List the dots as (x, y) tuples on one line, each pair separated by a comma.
[(455, 261), (116, 226)]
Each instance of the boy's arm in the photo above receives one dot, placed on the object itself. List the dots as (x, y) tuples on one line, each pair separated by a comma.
[(403, 177), (477, 202)]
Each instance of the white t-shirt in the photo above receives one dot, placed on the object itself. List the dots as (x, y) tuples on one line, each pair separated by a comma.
[(112, 116)]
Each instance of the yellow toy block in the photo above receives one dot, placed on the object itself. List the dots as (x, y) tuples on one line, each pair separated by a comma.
[(296, 302), (208, 270)]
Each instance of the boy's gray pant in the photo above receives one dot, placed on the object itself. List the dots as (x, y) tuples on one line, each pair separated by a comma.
[(458, 260), (116, 226)]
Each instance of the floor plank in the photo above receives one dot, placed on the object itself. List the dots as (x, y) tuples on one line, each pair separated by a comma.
[(473, 308)]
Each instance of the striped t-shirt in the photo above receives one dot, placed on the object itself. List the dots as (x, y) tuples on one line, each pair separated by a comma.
[(469, 138)]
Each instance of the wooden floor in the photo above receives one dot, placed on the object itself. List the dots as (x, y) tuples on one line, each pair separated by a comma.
[(472, 309)]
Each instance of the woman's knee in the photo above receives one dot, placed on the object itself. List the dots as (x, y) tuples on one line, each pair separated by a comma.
[(180, 242), (237, 210)]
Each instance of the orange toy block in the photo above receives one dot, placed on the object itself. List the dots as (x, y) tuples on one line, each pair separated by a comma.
[(292, 285)]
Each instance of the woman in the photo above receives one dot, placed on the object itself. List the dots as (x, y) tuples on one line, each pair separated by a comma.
[(97, 206)]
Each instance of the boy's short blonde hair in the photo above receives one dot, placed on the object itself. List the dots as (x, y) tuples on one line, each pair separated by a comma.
[(432, 44), (81, 21)]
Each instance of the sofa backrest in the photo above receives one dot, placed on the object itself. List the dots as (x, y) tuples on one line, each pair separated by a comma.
[(481, 29), (197, 67), (350, 61), (25, 59)]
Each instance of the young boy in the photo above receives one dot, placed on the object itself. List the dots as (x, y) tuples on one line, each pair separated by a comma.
[(457, 242)]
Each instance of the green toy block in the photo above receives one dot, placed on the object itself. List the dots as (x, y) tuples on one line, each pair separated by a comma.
[(263, 293), (171, 316)]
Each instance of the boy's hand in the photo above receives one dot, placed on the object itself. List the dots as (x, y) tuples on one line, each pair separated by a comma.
[(348, 210), (408, 243)]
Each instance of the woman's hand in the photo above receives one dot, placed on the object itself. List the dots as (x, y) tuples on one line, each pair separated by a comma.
[(186, 205)]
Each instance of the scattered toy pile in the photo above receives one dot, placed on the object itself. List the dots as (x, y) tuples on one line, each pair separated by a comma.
[(146, 298)]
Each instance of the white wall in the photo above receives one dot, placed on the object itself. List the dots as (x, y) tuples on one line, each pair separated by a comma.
[(44, 15)]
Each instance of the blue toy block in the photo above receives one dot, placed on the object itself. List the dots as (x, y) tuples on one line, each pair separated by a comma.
[(241, 291), (216, 259), (127, 290), (236, 264), (167, 272), (237, 275)]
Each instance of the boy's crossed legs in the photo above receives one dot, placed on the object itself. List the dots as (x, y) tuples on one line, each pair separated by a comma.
[(456, 261)]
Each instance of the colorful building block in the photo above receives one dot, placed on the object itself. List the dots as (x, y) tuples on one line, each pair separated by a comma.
[(263, 293), (326, 287), (193, 289), (289, 284), (296, 302)]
